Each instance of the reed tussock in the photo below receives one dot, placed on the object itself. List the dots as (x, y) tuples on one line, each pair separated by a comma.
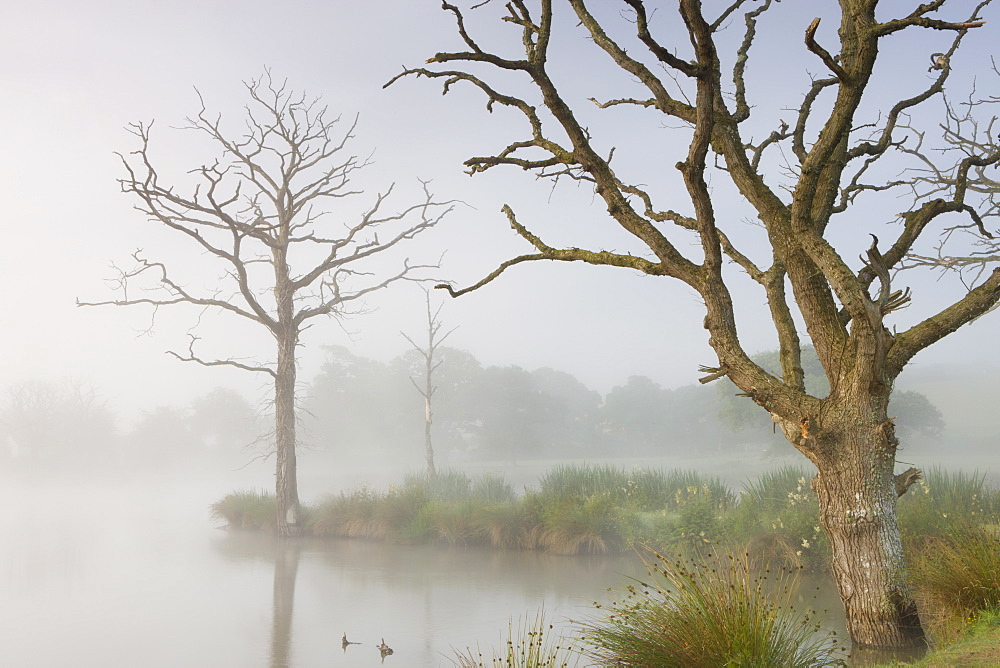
[(530, 644), (956, 577), (708, 612), (248, 509)]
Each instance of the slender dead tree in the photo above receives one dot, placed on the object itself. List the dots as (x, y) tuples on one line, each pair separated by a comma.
[(259, 214), (434, 341), (813, 183)]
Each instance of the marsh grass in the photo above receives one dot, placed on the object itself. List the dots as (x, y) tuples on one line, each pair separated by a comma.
[(708, 612), (347, 514), (493, 489), (507, 526), (455, 523), (588, 527), (248, 509), (957, 576), (642, 489), (942, 499), (446, 485), (777, 519), (529, 645), (588, 509)]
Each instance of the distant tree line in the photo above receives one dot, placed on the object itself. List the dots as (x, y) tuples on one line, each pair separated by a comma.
[(358, 408), (66, 426)]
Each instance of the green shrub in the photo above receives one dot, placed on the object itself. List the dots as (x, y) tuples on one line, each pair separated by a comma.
[(707, 613), (250, 509)]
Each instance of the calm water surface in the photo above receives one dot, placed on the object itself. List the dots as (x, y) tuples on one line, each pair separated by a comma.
[(137, 575), (104, 576)]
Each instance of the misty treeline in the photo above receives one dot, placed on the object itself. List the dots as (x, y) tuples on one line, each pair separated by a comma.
[(359, 408), (360, 411), (69, 426)]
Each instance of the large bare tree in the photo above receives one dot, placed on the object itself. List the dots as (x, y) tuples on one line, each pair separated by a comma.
[(690, 86), (260, 215)]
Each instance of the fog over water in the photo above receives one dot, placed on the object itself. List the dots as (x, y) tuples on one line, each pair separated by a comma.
[(135, 574), (112, 452)]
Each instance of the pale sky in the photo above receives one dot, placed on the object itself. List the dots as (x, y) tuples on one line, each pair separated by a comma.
[(73, 74)]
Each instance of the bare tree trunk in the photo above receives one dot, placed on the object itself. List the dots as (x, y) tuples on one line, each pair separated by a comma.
[(287, 492), (434, 341), (428, 447), (857, 498), (286, 482)]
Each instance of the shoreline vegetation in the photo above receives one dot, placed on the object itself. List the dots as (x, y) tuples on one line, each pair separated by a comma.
[(950, 522)]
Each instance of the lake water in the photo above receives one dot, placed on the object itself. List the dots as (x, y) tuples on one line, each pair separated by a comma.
[(137, 575)]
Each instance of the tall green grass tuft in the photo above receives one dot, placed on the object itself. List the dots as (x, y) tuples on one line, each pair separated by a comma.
[(943, 498), (705, 613), (249, 509), (529, 645), (640, 489), (348, 515), (492, 489), (446, 485), (508, 526), (957, 576), (590, 526), (777, 519)]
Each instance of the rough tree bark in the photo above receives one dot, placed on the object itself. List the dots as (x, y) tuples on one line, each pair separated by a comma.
[(796, 179), (434, 340), (259, 205)]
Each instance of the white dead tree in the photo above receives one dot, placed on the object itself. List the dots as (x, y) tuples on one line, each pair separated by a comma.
[(259, 213), (434, 341)]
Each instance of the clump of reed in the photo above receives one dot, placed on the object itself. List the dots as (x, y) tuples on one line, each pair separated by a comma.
[(708, 612), (367, 513), (641, 489), (777, 519), (450, 486), (581, 526), (587, 509), (248, 509), (957, 577), (509, 526), (934, 504), (529, 645)]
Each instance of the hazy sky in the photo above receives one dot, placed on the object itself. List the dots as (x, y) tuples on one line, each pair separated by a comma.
[(72, 75)]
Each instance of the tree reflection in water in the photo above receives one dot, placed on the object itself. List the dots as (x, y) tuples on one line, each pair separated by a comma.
[(286, 566)]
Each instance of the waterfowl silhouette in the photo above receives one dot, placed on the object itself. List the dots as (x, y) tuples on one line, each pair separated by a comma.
[(344, 642), (384, 649)]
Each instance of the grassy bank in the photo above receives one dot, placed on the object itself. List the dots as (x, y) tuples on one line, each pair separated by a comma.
[(976, 646), (949, 523), (606, 509)]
